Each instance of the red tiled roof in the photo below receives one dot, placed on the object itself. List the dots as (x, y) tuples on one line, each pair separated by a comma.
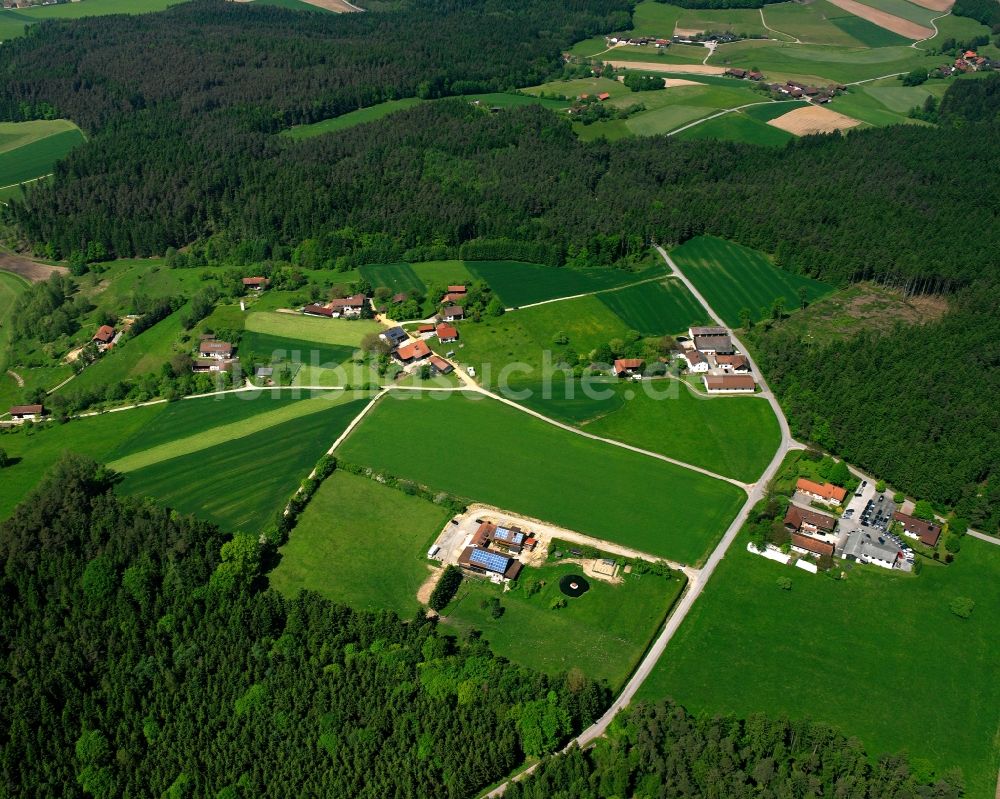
[(425, 329), (825, 490), (694, 357), (355, 301), (104, 334), (255, 281), (730, 382), (811, 544), (212, 347), (24, 410), (456, 289), (441, 364), (318, 310), (795, 517), (413, 351), (446, 331), (453, 296), (603, 96), (736, 361), (621, 364)]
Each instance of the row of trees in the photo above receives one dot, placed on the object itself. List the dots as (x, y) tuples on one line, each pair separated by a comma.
[(143, 655)]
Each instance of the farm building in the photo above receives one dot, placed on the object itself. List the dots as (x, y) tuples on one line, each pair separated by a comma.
[(211, 348), (927, 532), (453, 313), (425, 329), (257, 284), (413, 352), (26, 413), (803, 520), (456, 289), (720, 345), (348, 306), (394, 336), (864, 547), (104, 337), (824, 492), (603, 96), (211, 365), (729, 384), (696, 362), (737, 363), (440, 366), (446, 333), (695, 332), (625, 367), (509, 538), (812, 546), (316, 309), (483, 561)]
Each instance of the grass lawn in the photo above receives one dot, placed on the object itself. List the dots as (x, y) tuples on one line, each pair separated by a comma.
[(656, 308), (571, 89), (812, 23), (523, 337), (603, 633), (361, 543), (11, 287), (518, 283), (12, 23), (483, 450), (738, 126), (29, 149), (442, 273), (398, 277), (878, 655), (347, 332), (738, 20), (270, 412), (732, 277), (733, 436), (868, 33), (240, 484), (38, 449), (278, 348)]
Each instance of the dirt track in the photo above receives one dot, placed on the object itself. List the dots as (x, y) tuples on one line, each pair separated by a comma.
[(911, 30), (813, 119), (32, 271), (654, 66)]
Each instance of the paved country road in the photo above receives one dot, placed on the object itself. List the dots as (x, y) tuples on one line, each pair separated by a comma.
[(697, 585)]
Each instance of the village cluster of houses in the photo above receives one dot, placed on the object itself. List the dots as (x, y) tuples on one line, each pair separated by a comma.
[(969, 61), (802, 91), (341, 308), (15, 4), (659, 42), (710, 352), (493, 551), (409, 351)]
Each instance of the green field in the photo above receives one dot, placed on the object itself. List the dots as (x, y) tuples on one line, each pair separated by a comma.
[(266, 346), (12, 23), (571, 89), (346, 332), (737, 126), (904, 10), (603, 633), (350, 119), (732, 436), (398, 277), (811, 23), (878, 655), (29, 149), (732, 277), (36, 451), (868, 33), (11, 286), (442, 273), (240, 484), (480, 449), (655, 308), (737, 20), (361, 543), (518, 283)]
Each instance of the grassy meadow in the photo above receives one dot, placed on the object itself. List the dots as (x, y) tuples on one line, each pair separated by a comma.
[(482, 450), (344, 332), (738, 126), (878, 655), (398, 277), (266, 346), (29, 149), (732, 436), (360, 543), (603, 633), (13, 22), (11, 287), (732, 277), (241, 483), (655, 309)]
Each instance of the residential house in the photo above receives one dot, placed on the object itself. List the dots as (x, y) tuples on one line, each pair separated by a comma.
[(864, 547), (104, 337), (823, 492), (927, 532), (219, 350), (626, 367), (737, 73), (510, 539), (735, 363), (812, 546), (348, 307), (453, 313), (257, 284), (394, 336), (485, 561), (439, 366), (452, 297), (696, 362), (729, 384), (446, 333), (753, 74), (26, 413), (808, 522), (413, 352), (315, 309)]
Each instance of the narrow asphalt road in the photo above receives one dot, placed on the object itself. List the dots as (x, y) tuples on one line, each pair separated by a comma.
[(696, 586)]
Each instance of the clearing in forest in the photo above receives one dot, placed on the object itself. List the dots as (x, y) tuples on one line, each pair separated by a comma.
[(811, 119)]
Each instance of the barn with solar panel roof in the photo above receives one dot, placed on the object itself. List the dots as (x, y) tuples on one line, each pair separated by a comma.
[(489, 562)]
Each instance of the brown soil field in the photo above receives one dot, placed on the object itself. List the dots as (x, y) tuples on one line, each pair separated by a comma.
[(911, 30), (32, 271), (687, 31), (338, 6), (673, 83), (652, 66), (934, 5), (813, 119)]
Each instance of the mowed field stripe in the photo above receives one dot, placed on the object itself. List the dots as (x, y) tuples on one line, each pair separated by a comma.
[(228, 432)]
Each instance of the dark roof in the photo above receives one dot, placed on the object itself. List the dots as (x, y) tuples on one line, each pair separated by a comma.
[(453, 310), (354, 301), (722, 344), (484, 560), (928, 532), (796, 517), (400, 297), (708, 331), (395, 335), (441, 364)]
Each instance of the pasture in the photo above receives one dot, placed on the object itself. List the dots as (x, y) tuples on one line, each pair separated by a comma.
[(350, 119), (750, 647), (240, 484), (360, 543), (278, 349), (490, 452), (11, 286), (812, 23), (398, 277), (904, 10), (29, 149), (345, 332), (603, 633), (737, 20), (732, 277), (665, 416), (442, 273), (518, 283), (738, 126), (13, 22), (655, 309)]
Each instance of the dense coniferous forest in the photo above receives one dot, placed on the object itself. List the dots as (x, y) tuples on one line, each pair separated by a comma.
[(142, 656), (660, 752)]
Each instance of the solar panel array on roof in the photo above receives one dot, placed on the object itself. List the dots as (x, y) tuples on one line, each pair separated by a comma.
[(491, 561), (508, 535)]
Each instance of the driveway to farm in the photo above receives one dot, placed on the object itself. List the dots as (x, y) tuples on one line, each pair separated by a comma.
[(697, 585)]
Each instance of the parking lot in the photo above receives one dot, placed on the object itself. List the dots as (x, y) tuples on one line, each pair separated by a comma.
[(870, 511)]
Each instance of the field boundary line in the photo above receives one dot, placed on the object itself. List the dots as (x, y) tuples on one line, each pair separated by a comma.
[(31, 180), (914, 46), (725, 111), (354, 423), (795, 39), (588, 293)]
